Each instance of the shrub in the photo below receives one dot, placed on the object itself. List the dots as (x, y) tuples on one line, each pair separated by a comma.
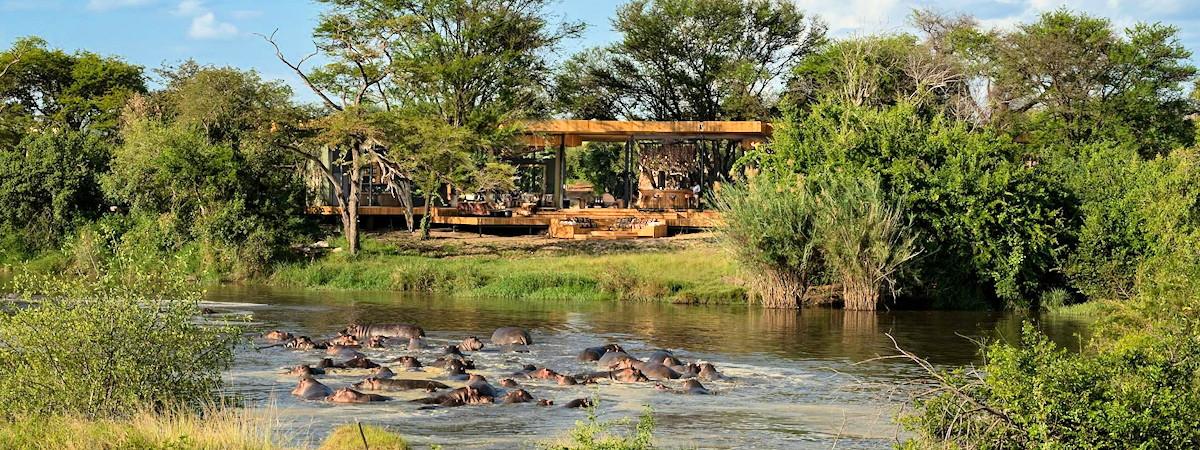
[(350, 437), (109, 347), (768, 225), (864, 240), (593, 434)]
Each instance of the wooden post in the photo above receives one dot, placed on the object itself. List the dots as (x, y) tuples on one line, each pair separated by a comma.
[(560, 164), (628, 173)]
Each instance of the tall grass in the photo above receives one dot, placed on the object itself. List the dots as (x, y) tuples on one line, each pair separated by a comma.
[(236, 429), (769, 226), (864, 238)]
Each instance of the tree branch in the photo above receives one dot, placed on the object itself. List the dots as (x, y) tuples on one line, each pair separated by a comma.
[(296, 68)]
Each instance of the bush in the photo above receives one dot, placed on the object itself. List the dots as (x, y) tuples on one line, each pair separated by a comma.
[(769, 226), (349, 437), (109, 347), (864, 240), (593, 434)]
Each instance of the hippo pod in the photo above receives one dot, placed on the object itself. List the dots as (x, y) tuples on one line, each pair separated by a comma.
[(689, 387), (595, 353), (347, 395), (310, 389), (511, 336), (382, 384), (466, 395), (277, 336), (395, 330)]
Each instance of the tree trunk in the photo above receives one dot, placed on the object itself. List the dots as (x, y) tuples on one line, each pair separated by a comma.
[(427, 218), (405, 194), (351, 226), (859, 295)]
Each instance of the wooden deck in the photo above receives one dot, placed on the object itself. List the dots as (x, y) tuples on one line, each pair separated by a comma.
[(451, 216)]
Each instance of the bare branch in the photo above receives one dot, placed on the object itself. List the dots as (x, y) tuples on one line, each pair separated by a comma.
[(296, 68)]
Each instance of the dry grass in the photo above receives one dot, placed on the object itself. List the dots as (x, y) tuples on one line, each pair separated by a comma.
[(237, 429)]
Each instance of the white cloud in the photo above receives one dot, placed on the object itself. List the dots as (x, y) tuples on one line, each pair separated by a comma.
[(190, 8), (206, 26), (243, 14), (104, 5)]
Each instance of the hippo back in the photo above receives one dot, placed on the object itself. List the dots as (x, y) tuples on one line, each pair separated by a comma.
[(394, 330), (511, 336)]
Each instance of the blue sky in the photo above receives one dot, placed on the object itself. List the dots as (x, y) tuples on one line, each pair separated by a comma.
[(153, 32)]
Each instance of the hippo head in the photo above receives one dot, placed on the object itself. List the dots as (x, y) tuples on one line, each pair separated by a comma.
[(326, 363), (302, 370), (544, 373), (471, 344), (276, 335), (344, 340), (625, 364), (545, 402), (451, 350), (415, 344), (408, 362), (611, 348), (660, 386), (383, 372), (370, 384), (692, 384), (528, 368), (509, 383), (360, 361), (476, 378), (709, 370), (302, 342), (565, 380), (345, 395), (518, 396), (630, 375), (455, 367), (377, 342), (471, 395)]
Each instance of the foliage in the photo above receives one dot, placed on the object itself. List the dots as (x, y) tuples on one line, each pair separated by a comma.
[(351, 437), (770, 226), (108, 348), (864, 238), (689, 60), (176, 430), (593, 434), (994, 222)]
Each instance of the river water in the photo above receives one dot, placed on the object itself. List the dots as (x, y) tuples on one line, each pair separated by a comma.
[(798, 378)]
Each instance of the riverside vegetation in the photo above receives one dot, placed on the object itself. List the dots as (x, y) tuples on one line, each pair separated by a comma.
[(1074, 179)]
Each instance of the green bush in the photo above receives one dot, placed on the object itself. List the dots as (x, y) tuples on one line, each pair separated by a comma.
[(592, 434), (109, 347), (769, 227), (351, 437)]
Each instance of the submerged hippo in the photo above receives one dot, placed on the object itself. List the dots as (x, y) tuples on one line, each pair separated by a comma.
[(664, 357), (381, 384), (342, 351), (445, 360), (304, 370), (579, 403), (626, 375), (344, 340), (517, 396), (564, 380), (377, 342), (407, 362), (525, 372), (708, 372), (509, 383), (347, 395), (327, 363), (462, 396), (302, 343), (511, 336), (455, 370), (415, 344), (689, 387), (594, 353), (689, 370), (614, 360), (383, 372), (277, 336), (310, 389), (543, 374), (360, 361), (658, 371), (471, 344), (481, 384), (395, 330)]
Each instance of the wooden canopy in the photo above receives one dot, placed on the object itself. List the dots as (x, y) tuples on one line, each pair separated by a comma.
[(572, 133)]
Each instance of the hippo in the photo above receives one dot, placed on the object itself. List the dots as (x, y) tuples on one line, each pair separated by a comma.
[(509, 383), (626, 375), (690, 370), (689, 387), (564, 380), (664, 357), (277, 336), (383, 372), (310, 389), (407, 362), (708, 372), (304, 370), (302, 343), (511, 336), (455, 370), (415, 344), (610, 360), (360, 362), (451, 350), (471, 344), (381, 384), (462, 396), (594, 353), (342, 352), (579, 403), (481, 384), (545, 402), (543, 374), (395, 330), (525, 372), (344, 340), (347, 395), (658, 371), (377, 342), (445, 360), (327, 363), (518, 396)]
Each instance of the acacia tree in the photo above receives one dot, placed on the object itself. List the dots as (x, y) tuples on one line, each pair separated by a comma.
[(478, 65), (690, 60)]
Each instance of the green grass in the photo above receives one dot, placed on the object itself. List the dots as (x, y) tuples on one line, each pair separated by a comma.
[(348, 437), (222, 429), (700, 274)]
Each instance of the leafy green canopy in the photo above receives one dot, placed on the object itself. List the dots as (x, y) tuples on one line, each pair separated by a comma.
[(689, 60)]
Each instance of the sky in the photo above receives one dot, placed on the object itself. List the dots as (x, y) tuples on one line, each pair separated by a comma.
[(152, 33)]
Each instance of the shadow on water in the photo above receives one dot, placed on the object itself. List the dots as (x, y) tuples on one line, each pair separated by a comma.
[(795, 383)]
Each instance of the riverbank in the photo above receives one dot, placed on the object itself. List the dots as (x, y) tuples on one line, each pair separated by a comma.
[(681, 269)]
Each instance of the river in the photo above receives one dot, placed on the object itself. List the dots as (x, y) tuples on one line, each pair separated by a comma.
[(798, 378)]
